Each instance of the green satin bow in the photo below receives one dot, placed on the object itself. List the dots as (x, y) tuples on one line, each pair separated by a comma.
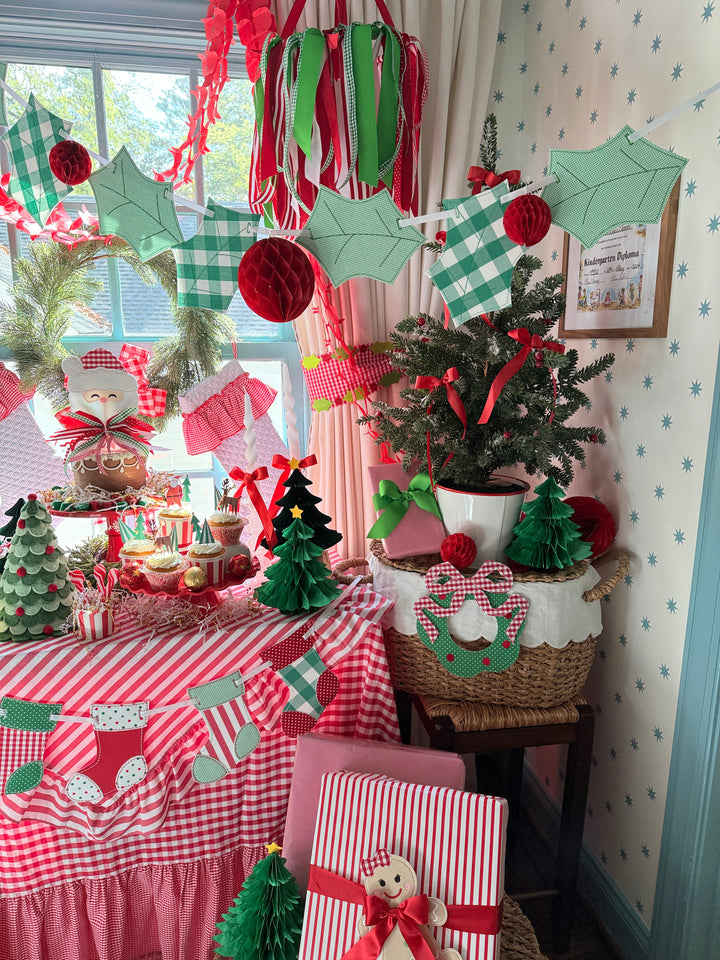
[(395, 503)]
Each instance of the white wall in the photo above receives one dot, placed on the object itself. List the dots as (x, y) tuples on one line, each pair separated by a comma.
[(569, 74)]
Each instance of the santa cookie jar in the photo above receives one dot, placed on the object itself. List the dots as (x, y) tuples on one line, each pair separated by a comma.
[(107, 445)]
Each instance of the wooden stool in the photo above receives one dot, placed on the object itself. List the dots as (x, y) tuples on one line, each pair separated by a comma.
[(465, 727)]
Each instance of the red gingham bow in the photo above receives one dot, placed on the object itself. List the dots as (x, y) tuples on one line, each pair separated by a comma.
[(529, 343), (151, 400), (11, 394), (480, 177), (369, 865)]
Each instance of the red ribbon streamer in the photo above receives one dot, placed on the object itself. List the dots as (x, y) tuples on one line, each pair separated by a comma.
[(529, 343), (249, 482), (479, 919), (454, 398), (480, 177)]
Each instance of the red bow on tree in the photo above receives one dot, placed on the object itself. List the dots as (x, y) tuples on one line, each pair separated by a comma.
[(479, 177), (529, 343), (454, 399), (249, 482)]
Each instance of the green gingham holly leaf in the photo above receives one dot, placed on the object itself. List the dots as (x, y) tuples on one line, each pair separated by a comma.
[(207, 264), (358, 238), (29, 141), (475, 270), (135, 207), (611, 185)]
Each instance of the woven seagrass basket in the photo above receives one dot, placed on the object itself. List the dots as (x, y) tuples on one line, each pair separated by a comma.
[(542, 676)]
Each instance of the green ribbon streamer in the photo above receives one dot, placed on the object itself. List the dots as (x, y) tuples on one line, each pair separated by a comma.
[(310, 64), (363, 75), (388, 102), (396, 502)]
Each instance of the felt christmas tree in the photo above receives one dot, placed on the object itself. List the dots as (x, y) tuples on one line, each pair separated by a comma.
[(265, 921), (35, 588), (299, 496), (546, 538), (8, 531), (297, 581)]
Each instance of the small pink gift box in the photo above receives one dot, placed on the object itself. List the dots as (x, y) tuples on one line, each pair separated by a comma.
[(94, 624), (418, 531)]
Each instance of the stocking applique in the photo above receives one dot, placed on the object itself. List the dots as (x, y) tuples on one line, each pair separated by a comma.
[(231, 733), (313, 685), (119, 729), (24, 728)]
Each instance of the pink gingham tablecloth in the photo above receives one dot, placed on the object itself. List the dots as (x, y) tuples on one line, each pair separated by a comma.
[(146, 873)]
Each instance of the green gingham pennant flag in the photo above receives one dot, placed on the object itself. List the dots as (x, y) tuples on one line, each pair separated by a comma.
[(207, 264), (475, 270), (29, 141)]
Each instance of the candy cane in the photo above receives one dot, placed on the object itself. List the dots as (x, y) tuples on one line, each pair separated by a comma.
[(77, 578), (106, 580)]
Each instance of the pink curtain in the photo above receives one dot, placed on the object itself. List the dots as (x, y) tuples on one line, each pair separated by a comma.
[(459, 37)]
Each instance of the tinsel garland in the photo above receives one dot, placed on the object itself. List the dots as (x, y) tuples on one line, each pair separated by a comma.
[(52, 280)]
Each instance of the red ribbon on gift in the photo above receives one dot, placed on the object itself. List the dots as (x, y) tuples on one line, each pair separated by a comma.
[(86, 436), (529, 343), (408, 916), (454, 398), (249, 482), (151, 399), (480, 177)]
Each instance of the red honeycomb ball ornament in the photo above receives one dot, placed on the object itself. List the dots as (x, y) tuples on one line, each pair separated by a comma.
[(70, 162), (459, 550), (527, 220), (597, 526), (276, 279)]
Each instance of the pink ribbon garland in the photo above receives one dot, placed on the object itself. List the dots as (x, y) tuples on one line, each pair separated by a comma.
[(529, 343), (443, 579)]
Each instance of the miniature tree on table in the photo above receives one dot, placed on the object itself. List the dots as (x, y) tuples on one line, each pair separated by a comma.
[(298, 496), (546, 538), (8, 531), (297, 581), (265, 921), (35, 587)]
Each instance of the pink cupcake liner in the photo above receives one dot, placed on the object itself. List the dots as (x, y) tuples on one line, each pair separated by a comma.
[(167, 580), (227, 533)]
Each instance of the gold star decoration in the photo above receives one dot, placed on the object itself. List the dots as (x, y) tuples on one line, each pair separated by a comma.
[(296, 512), (272, 847), (294, 463)]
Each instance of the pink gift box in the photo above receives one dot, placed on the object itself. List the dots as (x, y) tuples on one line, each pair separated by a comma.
[(419, 531), (318, 754), (94, 624), (454, 841)]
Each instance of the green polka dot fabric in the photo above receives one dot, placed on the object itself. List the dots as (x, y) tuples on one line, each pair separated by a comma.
[(24, 729)]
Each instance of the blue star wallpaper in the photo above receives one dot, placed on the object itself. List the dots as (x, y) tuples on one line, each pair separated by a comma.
[(570, 74)]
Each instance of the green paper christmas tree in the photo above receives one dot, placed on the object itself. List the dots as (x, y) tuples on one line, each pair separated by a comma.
[(299, 496), (8, 531), (546, 538), (197, 528), (186, 489), (35, 589), (265, 921), (297, 581)]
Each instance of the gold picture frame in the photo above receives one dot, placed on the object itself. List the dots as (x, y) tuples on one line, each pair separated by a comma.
[(611, 302)]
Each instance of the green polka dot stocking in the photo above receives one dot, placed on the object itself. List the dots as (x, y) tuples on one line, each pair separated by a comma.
[(24, 728)]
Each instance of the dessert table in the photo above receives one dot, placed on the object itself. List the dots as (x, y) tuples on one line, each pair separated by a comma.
[(145, 872)]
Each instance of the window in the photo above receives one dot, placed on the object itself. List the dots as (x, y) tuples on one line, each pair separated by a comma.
[(142, 101)]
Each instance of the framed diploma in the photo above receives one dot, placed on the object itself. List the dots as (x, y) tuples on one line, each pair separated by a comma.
[(620, 287)]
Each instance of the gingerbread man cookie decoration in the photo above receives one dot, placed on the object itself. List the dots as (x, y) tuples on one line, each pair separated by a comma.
[(397, 915)]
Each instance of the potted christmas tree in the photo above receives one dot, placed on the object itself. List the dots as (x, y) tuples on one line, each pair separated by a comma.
[(497, 392)]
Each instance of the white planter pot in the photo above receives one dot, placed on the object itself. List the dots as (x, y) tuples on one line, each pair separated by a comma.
[(488, 518)]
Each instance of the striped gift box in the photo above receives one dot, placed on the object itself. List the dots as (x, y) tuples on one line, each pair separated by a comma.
[(94, 624), (454, 840)]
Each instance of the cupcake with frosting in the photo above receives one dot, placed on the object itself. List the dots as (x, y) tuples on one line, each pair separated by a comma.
[(209, 555), (136, 546), (226, 526), (164, 570), (176, 517)]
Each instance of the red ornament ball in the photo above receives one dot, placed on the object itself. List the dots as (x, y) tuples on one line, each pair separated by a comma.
[(70, 162), (597, 526), (49, 549), (527, 220), (48, 629), (593, 438), (132, 577), (21, 571), (20, 612), (21, 524), (32, 496), (276, 279), (242, 568), (52, 588), (507, 435), (459, 550)]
